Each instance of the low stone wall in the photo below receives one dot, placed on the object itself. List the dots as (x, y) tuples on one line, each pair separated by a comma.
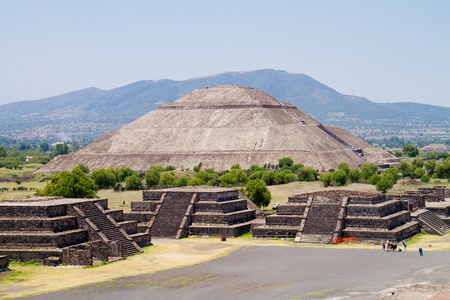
[(129, 226), (30, 254), (56, 224), (231, 231), (116, 214), (33, 211), (223, 207), (377, 236), (138, 216), (376, 211), (274, 232), (4, 263), (77, 256), (290, 209), (218, 196), (151, 195), (373, 222), (230, 218), (148, 205), (283, 220)]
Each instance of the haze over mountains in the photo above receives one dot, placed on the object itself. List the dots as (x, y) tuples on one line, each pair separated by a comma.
[(91, 112)]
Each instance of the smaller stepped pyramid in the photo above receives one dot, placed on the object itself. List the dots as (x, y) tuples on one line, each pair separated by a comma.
[(202, 210), (73, 231), (322, 217)]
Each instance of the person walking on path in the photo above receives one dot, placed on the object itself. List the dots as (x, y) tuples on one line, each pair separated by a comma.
[(382, 246), (421, 251), (404, 244)]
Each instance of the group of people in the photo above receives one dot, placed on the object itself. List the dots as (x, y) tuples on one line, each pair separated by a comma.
[(392, 246)]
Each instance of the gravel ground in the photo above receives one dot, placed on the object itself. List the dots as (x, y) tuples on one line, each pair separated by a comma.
[(254, 272)]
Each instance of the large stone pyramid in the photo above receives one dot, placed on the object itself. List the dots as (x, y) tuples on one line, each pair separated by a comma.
[(218, 127)]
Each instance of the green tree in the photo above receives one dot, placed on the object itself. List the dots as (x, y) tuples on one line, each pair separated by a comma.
[(285, 161), (431, 166), (167, 178), (411, 150), (425, 179), (353, 175), (182, 181), (73, 184), (268, 177), (126, 172), (417, 162), (84, 168), (3, 152), (133, 183), (235, 166), (419, 172), (344, 167), (339, 177), (61, 148), (384, 184), (398, 154), (103, 178), (443, 169), (392, 173), (151, 178), (233, 177), (195, 181), (326, 178), (367, 170), (374, 179), (258, 192)]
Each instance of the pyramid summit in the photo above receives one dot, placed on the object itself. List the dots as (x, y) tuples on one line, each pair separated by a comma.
[(220, 126)]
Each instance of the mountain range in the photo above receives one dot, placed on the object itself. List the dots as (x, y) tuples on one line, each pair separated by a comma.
[(91, 112)]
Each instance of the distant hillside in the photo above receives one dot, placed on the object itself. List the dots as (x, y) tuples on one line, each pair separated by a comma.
[(92, 112)]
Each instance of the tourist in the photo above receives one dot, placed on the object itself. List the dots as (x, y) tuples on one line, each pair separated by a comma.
[(404, 244), (387, 246), (382, 246), (399, 249), (421, 251)]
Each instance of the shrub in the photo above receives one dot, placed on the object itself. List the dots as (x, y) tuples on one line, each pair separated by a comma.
[(126, 172), (384, 184), (374, 179), (151, 178), (285, 161), (196, 168), (354, 175), (182, 181), (167, 178), (195, 181), (258, 192), (133, 182), (326, 179), (425, 179), (103, 178)]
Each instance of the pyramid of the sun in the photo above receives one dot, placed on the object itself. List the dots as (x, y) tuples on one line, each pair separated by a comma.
[(218, 127)]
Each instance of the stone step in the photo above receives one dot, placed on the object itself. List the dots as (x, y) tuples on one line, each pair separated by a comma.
[(316, 238)]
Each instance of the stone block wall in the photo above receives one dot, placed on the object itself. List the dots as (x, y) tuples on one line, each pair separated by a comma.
[(4, 263), (77, 256), (148, 205), (290, 209), (229, 218), (56, 224), (375, 211), (389, 222), (222, 207), (283, 220)]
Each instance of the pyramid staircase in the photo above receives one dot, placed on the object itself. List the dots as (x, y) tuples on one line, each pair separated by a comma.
[(106, 227), (433, 223)]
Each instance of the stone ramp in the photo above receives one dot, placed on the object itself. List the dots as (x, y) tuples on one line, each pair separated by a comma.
[(432, 222), (169, 218), (107, 228), (320, 223)]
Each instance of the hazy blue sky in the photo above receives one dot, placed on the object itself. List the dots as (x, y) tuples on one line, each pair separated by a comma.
[(386, 51)]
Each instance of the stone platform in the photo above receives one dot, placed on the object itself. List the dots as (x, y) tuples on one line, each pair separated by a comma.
[(322, 217), (73, 230)]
